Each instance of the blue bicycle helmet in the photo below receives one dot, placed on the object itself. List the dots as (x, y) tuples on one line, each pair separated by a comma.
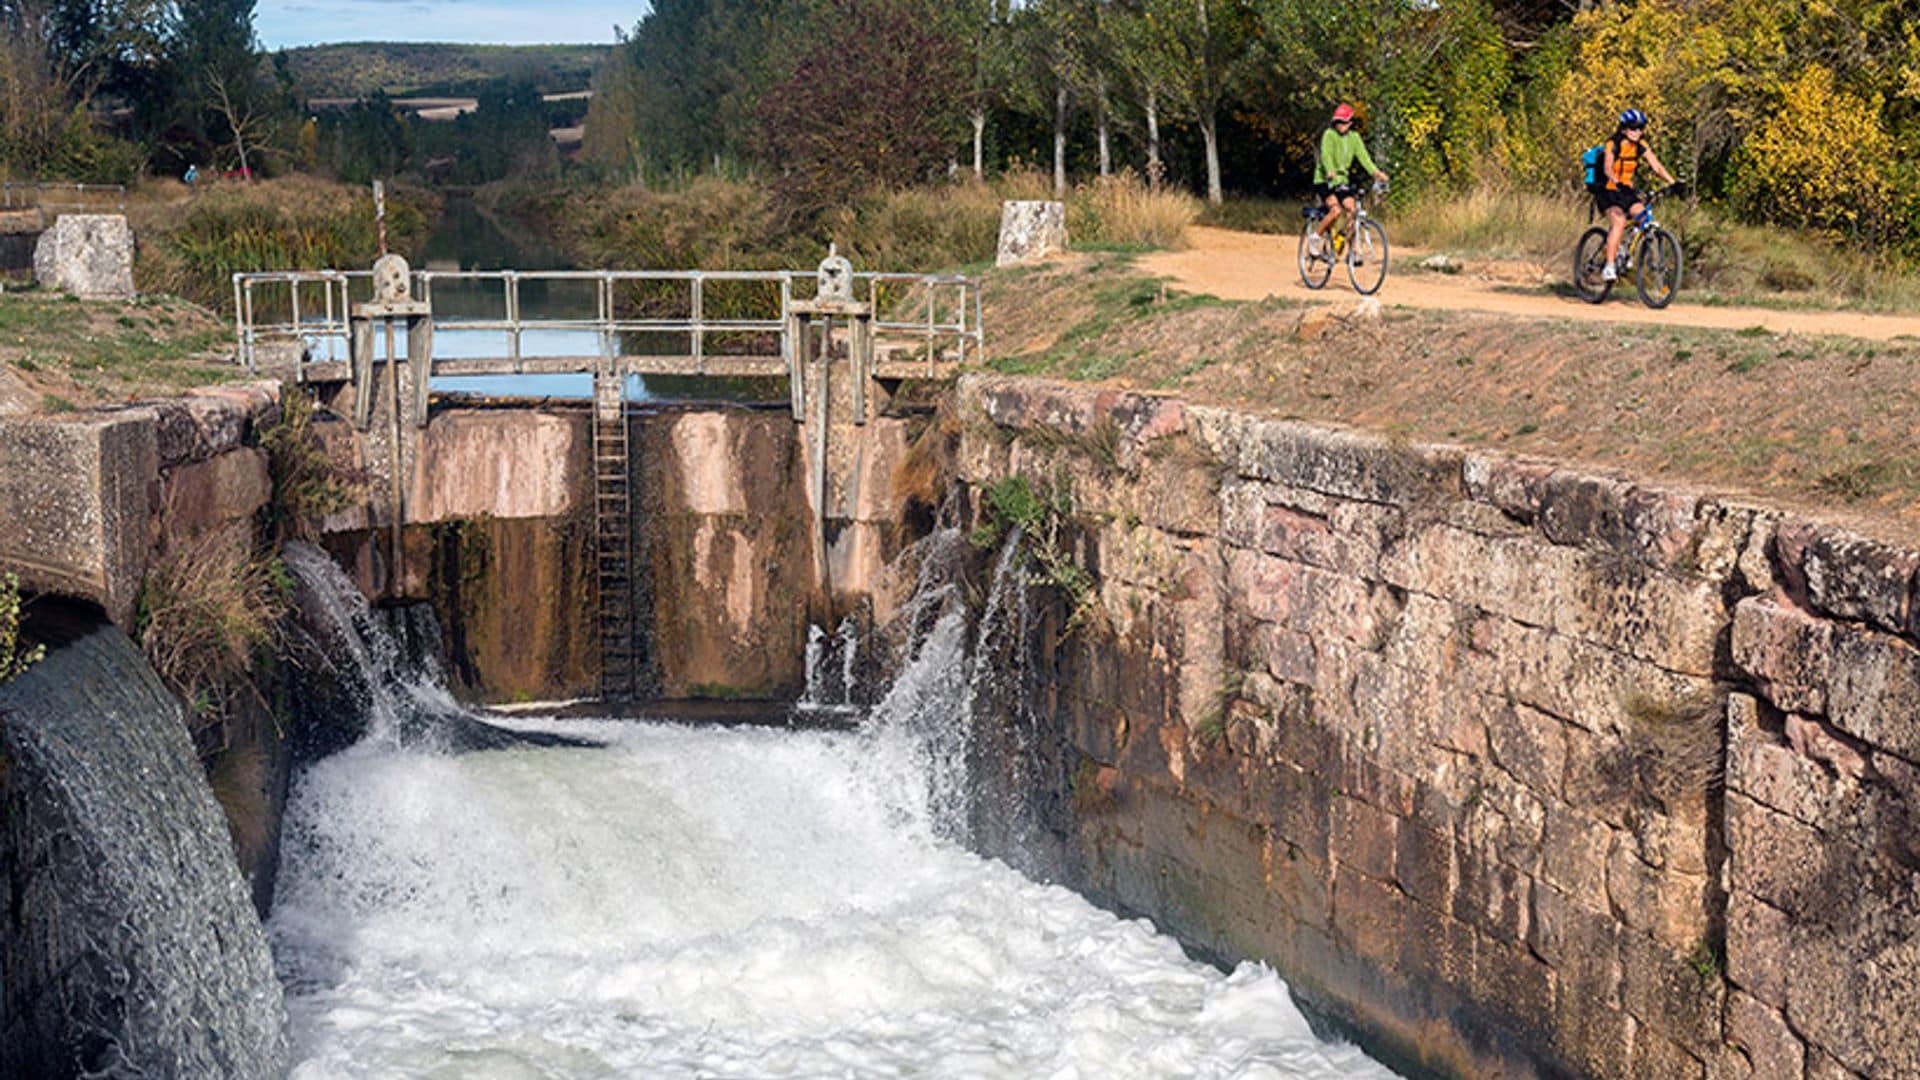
[(1633, 118)]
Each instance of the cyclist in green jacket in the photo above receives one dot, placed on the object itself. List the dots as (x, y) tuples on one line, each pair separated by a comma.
[(1335, 178)]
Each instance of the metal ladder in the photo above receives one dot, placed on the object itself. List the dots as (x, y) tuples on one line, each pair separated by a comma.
[(613, 538)]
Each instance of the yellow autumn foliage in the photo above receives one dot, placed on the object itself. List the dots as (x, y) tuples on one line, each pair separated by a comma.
[(1821, 158)]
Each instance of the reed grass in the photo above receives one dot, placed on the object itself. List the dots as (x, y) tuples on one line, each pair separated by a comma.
[(291, 223), (1727, 261)]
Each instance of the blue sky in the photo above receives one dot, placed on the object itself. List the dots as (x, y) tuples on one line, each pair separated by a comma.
[(284, 23)]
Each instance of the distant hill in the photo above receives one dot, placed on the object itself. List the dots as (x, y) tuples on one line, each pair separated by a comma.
[(434, 69)]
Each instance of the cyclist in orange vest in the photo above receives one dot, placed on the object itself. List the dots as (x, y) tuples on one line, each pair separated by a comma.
[(1623, 155)]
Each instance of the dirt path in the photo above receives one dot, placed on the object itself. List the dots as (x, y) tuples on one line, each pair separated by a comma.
[(1252, 266)]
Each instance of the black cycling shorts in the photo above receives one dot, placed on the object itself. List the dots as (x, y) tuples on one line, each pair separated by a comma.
[(1624, 198), (1344, 191)]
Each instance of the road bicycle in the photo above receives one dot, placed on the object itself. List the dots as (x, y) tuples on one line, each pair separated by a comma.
[(1648, 251), (1361, 243)]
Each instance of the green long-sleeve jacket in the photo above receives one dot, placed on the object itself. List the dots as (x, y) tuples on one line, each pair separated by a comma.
[(1337, 155)]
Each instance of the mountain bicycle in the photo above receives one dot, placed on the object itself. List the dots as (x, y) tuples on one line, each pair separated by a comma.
[(1648, 250), (1361, 244)]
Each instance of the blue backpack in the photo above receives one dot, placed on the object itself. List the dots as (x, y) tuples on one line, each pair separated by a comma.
[(1593, 167)]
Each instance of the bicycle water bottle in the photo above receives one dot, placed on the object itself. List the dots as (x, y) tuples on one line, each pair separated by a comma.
[(1645, 217)]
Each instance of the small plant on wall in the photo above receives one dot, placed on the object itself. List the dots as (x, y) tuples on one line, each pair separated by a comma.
[(308, 484), (1041, 513), (16, 655)]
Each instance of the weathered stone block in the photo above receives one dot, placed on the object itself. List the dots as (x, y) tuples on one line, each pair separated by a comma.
[(1669, 995), (1030, 231), (1775, 858), (1857, 578), (1671, 906), (1300, 886), (1789, 650), (1367, 914), (1574, 854), (1514, 487), (1364, 838), (1602, 513), (1581, 944), (204, 495), (1492, 897), (1852, 985), (88, 255), (1756, 962), (1875, 690), (1762, 1034), (1531, 746), (1348, 464), (78, 507), (1423, 864), (210, 421), (1656, 1055), (1773, 773)]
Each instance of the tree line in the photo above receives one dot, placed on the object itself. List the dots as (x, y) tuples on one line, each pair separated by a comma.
[(1785, 112), (104, 90)]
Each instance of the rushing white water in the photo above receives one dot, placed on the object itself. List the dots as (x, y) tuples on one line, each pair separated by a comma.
[(718, 903), (670, 901)]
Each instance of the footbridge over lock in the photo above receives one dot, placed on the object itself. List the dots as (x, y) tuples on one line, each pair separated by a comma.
[(372, 343)]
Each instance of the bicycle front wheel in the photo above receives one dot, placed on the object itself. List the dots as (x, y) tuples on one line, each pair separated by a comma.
[(1367, 257), (1659, 268), (1589, 262), (1315, 269)]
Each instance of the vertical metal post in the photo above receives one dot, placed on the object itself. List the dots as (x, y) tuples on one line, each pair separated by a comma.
[(295, 290), (510, 286), (240, 328), (380, 214), (327, 290), (397, 458), (699, 328)]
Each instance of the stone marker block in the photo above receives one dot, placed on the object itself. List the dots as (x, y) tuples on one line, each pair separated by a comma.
[(88, 255), (1030, 231), (76, 498)]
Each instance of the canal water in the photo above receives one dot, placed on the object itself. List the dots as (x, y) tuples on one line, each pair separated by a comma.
[(467, 237)]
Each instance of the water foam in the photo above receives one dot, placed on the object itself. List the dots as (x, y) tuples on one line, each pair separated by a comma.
[(719, 902)]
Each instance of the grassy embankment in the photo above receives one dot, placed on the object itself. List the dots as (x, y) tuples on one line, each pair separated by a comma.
[(58, 354), (1728, 410), (1728, 262), (357, 69)]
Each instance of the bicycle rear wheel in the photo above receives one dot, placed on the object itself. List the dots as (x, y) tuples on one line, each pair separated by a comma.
[(1367, 258), (1659, 268), (1315, 269), (1589, 261)]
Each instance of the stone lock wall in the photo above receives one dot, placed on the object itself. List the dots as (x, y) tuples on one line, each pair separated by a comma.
[(1518, 769)]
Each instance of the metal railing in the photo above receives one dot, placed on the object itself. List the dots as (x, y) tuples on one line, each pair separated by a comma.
[(31, 195), (930, 317)]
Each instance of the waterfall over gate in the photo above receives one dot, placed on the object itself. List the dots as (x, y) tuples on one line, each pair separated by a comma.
[(131, 947)]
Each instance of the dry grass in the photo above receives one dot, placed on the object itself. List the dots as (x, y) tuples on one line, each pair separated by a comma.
[(1675, 744), (209, 607), (1122, 211), (1727, 262), (1494, 223)]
